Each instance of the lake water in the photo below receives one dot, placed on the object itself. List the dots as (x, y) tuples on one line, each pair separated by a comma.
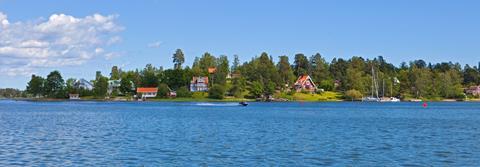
[(223, 134)]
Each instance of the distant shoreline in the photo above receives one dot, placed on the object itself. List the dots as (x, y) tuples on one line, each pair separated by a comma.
[(212, 100)]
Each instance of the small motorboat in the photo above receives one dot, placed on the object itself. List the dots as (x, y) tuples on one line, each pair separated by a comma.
[(243, 103)]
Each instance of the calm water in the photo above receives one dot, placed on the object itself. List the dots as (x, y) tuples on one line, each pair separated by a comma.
[(221, 134)]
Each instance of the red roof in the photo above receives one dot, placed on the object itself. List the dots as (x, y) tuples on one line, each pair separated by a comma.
[(197, 79), (212, 70), (302, 78), (146, 90)]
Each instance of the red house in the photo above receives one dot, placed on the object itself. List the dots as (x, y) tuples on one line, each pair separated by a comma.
[(305, 82)]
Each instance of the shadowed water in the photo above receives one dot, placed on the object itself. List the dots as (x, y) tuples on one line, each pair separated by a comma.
[(224, 134)]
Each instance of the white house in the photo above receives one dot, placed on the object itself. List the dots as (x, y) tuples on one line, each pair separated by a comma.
[(147, 92), (84, 84), (199, 84)]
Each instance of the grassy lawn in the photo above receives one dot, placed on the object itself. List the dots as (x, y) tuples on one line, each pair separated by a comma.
[(325, 96)]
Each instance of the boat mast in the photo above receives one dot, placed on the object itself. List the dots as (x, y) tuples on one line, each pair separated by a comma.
[(383, 88), (373, 81), (374, 84)]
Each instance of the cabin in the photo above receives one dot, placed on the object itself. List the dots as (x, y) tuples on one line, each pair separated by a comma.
[(147, 92), (199, 84), (473, 90), (74, 96), (305, 83)]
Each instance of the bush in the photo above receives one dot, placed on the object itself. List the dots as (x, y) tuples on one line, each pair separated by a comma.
[(216, 92), (327, 85), (353, 94), (256, 89), (183, 92), (163, 90), (198, 95)]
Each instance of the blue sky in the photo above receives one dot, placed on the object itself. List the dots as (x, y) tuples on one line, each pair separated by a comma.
[(398, 30)]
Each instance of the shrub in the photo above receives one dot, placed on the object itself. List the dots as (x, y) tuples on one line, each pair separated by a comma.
[(327, 85), (216, 92), (163, 90), (353, 94), (183, 92), (198, 95)]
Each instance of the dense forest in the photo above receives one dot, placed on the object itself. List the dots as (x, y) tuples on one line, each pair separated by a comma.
[(262, 77)]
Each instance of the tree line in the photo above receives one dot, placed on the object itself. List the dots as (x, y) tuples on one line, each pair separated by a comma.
[(261, 76)]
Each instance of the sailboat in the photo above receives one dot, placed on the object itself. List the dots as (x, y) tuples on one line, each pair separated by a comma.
[(373, 98), (389, 99)]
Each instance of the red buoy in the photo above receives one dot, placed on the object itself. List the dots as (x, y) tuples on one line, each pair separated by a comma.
[(425, 104)]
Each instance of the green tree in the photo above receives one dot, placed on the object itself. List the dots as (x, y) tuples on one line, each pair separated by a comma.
[(319, 68), (149, 76), (269, 89), (301, 64), (36, 86), (115, 74), (285, 71), (70, 86), (422, 82), (238, 86), (236, 63), (205, 62), (100, 87), (98, 74), (183, 92), (163, 90), (177, 78), (256, 89), (222, 71), (266, 70), (178, 59), (338, 69), (353, 94), (216, 92), (471, 76), (54, 85), (126, 86), (327, 85), (449, 84), (356, 79)]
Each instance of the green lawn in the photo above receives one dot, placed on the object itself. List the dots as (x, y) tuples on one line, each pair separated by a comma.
[(325, 96)]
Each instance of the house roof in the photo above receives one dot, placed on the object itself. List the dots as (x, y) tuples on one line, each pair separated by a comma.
[(195, 80), (474, 87), (212, 70), (146, 90), (303, 78)]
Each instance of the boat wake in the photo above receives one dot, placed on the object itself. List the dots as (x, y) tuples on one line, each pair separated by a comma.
[(216, 104)]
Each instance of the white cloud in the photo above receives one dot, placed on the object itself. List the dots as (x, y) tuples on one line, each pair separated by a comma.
[(156, 44), (112, 55), (62, 40), (3, 20)]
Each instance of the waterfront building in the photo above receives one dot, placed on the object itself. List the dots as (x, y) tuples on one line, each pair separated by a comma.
[(199, 84), (305, 83), (145, 92)]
